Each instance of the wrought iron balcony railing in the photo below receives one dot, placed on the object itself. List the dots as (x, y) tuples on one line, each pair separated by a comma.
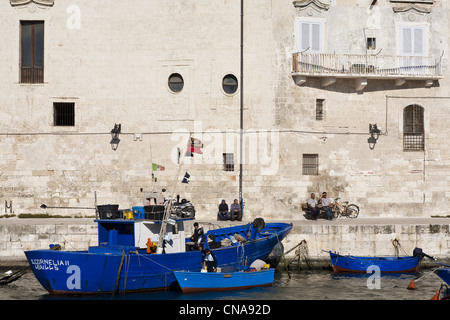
[(366, 66)]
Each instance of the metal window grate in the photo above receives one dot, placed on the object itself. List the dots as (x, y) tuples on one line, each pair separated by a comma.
[(413, 142), (31, 75), (413, 129), (228, 162), (319, 109), (311, 164), (64, 114)]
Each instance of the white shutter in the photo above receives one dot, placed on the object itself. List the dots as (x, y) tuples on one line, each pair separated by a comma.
[(315, 37), (305, 42), (407, 43), (418, 41)]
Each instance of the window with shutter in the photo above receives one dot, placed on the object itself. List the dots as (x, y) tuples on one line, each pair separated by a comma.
[(412, 40), (310, 36), (412, 49)]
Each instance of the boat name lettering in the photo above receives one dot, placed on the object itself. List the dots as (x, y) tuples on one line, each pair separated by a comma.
[(48, 264)]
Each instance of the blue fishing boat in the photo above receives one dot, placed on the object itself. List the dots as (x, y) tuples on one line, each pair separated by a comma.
[(124, 259), (355, 264), (444, 274), (216, 281)]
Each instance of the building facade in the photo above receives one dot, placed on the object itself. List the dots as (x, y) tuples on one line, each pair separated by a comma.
[(314, 79)]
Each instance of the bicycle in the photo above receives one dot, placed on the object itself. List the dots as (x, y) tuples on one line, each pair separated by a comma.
[(349, 210)]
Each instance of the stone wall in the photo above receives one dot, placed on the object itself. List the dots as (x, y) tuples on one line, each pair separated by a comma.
[(113, 60), (17, 237), (364, 239), (371, 239)]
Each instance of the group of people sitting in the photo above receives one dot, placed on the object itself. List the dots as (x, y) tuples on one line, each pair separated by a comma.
[(233, 213), (324, 203)]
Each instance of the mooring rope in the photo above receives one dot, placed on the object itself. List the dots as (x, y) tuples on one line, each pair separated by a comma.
[(286, 266), (426, 275), (163, 266), (397, 245)]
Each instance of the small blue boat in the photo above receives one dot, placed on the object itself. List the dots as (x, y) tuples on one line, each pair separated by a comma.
[(213, 281), (355, 264), (122, 262), (444, 274)]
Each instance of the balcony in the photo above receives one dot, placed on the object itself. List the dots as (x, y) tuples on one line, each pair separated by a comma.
[(363, 68), (32, 75)]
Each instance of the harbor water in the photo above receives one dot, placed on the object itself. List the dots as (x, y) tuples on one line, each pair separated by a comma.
[(299, 285)]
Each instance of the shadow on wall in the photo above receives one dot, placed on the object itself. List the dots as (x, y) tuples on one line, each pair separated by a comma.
[(347, 85), (332, 185)]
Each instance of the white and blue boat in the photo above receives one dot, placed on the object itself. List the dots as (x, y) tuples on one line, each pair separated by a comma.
[(190, 282), (120, 262)]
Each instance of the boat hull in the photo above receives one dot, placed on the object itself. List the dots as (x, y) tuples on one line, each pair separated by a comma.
[(127, 269), (191, 282), (355, 264), (444, 274)]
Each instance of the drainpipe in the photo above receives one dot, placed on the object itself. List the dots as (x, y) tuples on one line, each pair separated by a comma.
[(241, 107)]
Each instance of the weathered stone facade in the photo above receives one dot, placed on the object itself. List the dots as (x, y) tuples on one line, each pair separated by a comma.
[(113, 59)]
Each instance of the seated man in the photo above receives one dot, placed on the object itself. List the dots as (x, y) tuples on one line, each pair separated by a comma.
[(235, 211), (313, 206), (327, 205), (223, 211)]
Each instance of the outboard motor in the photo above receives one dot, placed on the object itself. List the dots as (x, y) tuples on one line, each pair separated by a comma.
[(418, 252), (257, 225)]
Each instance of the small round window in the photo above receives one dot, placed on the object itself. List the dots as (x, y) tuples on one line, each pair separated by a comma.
[(230, 84), (176, 82)]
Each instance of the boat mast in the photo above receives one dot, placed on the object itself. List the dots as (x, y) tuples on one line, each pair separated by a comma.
[(168, 208)]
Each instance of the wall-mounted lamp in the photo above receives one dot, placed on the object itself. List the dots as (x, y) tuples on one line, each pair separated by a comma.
[(372, 142), (115, 136), (374, 131), (374, 135)]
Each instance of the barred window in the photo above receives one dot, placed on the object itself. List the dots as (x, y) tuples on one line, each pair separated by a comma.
[(413, 128), (64, 114), (311, 164), (319, 109), (228, 162)]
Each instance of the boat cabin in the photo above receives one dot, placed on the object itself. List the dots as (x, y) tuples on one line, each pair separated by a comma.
[(136, 233)]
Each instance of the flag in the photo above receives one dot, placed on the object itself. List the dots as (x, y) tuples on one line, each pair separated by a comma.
[(157, 167), (186, 178), (194, 146)]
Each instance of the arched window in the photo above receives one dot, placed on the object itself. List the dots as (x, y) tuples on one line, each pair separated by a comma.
[(413, 128)]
